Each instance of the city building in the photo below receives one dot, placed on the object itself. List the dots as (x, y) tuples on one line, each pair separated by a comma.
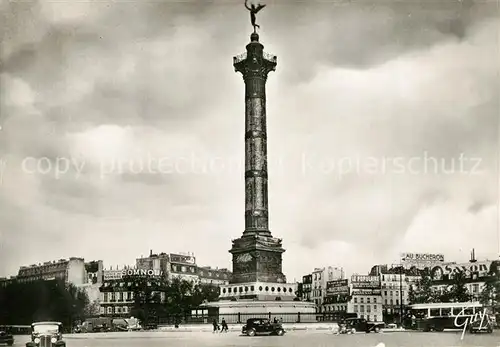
[(366, 297), (183, 266), (337, 296), (476, 273), (157, 262), (94, 271), (120, 286), (320, 277), (306, 290), (216, 277), (4, 281), (72, 270), (395, 285)]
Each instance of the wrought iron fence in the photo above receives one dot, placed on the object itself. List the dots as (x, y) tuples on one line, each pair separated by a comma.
[(241, 318)]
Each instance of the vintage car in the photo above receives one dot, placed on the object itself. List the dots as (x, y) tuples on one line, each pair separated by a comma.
[(262, 326), (6, 336), (360, 324), (479, 325), (46, 334)]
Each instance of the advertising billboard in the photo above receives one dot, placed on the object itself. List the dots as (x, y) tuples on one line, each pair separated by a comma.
[(422, 257), (110, 275), (337, 287), (479, 269), (365, 282), (367, 292), (182, 259)]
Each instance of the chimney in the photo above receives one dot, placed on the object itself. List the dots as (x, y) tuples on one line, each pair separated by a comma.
[(150, 252), (473, 256)]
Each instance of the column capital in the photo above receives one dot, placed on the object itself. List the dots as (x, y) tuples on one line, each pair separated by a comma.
[(255, 63)]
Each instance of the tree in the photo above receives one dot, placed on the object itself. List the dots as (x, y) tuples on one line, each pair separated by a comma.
[(91, 309), (412, 296), (23, 303), (147, 297), (490, 294), (458, 291), (179, 297), (204, 293), (424, 292)]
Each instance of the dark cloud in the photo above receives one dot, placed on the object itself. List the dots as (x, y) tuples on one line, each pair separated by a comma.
[(125, 81)]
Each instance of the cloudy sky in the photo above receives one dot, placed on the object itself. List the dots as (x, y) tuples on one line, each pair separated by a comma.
[(383, 126)]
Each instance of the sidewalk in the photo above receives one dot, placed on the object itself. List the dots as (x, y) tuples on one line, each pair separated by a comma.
[(237, 327)]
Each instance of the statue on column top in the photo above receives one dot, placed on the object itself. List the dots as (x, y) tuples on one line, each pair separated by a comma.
[(253, 11)]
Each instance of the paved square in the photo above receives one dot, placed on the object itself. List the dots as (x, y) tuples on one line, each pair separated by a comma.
[(298, 339)]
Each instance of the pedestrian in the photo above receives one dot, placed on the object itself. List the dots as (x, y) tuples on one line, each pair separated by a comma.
[(216, 325), (224, 326)]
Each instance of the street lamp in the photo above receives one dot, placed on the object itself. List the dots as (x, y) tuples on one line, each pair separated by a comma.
[(400, 267), (401, 295)]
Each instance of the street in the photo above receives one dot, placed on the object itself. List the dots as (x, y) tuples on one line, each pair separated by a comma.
[(294, 338)]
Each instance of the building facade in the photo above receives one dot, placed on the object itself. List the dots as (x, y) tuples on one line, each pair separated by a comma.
[(337, 297), (183, 266), (366, 297), (395, 286), (306, 290), (475, 273), (118, 292), (4, 281), (73, 270), (320, 277), (156, 262), (215, 277)]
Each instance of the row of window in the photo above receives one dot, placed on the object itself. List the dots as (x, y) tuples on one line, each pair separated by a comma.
[(361, 300), (391, 293), (252, 288), (334, 308), (116, 309), (317, 293), (123, 296), (118, 296), (42, 277), (40, 271), (122, 284), (394, 285), (362, 308)]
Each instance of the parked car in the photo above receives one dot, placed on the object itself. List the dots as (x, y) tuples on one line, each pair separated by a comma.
[(360, 324), (46, 334), (262, 326), (6, 336), (481, 325)]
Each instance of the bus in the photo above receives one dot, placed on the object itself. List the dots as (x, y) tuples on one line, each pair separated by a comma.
[(448, 315)]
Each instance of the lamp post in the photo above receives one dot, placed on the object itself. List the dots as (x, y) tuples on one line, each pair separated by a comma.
[(401, 295)]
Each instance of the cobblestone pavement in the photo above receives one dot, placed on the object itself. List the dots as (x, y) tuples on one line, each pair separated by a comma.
[(299, 338)]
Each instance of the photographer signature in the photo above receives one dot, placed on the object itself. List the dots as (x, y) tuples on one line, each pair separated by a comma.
[(470, 319)]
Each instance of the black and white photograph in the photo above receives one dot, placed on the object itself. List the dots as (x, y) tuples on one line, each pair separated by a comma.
[(250, 173)]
